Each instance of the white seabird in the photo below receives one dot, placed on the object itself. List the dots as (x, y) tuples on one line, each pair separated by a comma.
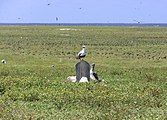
[(4, 61), (93, 74), (82, 53)]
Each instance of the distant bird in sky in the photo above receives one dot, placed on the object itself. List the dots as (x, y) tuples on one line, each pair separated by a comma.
[(137, 21), (48, 4), (57, 18), (82, 53), (19, 18), (93, 74)]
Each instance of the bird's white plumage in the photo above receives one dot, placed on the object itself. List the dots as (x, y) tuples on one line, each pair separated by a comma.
[(4, 61), (82, 53), (93, 74)]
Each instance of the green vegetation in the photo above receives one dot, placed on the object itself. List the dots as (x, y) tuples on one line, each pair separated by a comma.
[(131, 60)]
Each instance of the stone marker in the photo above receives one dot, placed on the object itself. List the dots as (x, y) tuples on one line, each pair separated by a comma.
[(82, 70)]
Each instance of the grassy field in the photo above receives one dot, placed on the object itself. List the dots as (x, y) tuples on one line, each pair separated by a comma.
[(132, 61)]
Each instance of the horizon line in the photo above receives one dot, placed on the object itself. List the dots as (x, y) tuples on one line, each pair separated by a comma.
[(87, 24)]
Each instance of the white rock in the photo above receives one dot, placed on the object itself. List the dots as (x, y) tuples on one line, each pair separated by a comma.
[(84, 79), (71, 78)]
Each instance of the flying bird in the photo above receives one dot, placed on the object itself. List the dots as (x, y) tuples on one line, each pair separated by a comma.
[(82, 53), (137, 21), (93, 74), (57, 18)]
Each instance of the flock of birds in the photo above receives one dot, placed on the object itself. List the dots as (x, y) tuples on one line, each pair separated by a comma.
[(93, 74), (80, 56)]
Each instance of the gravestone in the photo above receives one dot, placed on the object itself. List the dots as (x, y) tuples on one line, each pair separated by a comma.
[(82, 70)]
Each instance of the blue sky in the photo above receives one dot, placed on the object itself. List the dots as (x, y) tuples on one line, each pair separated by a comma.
[(83, 11)]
